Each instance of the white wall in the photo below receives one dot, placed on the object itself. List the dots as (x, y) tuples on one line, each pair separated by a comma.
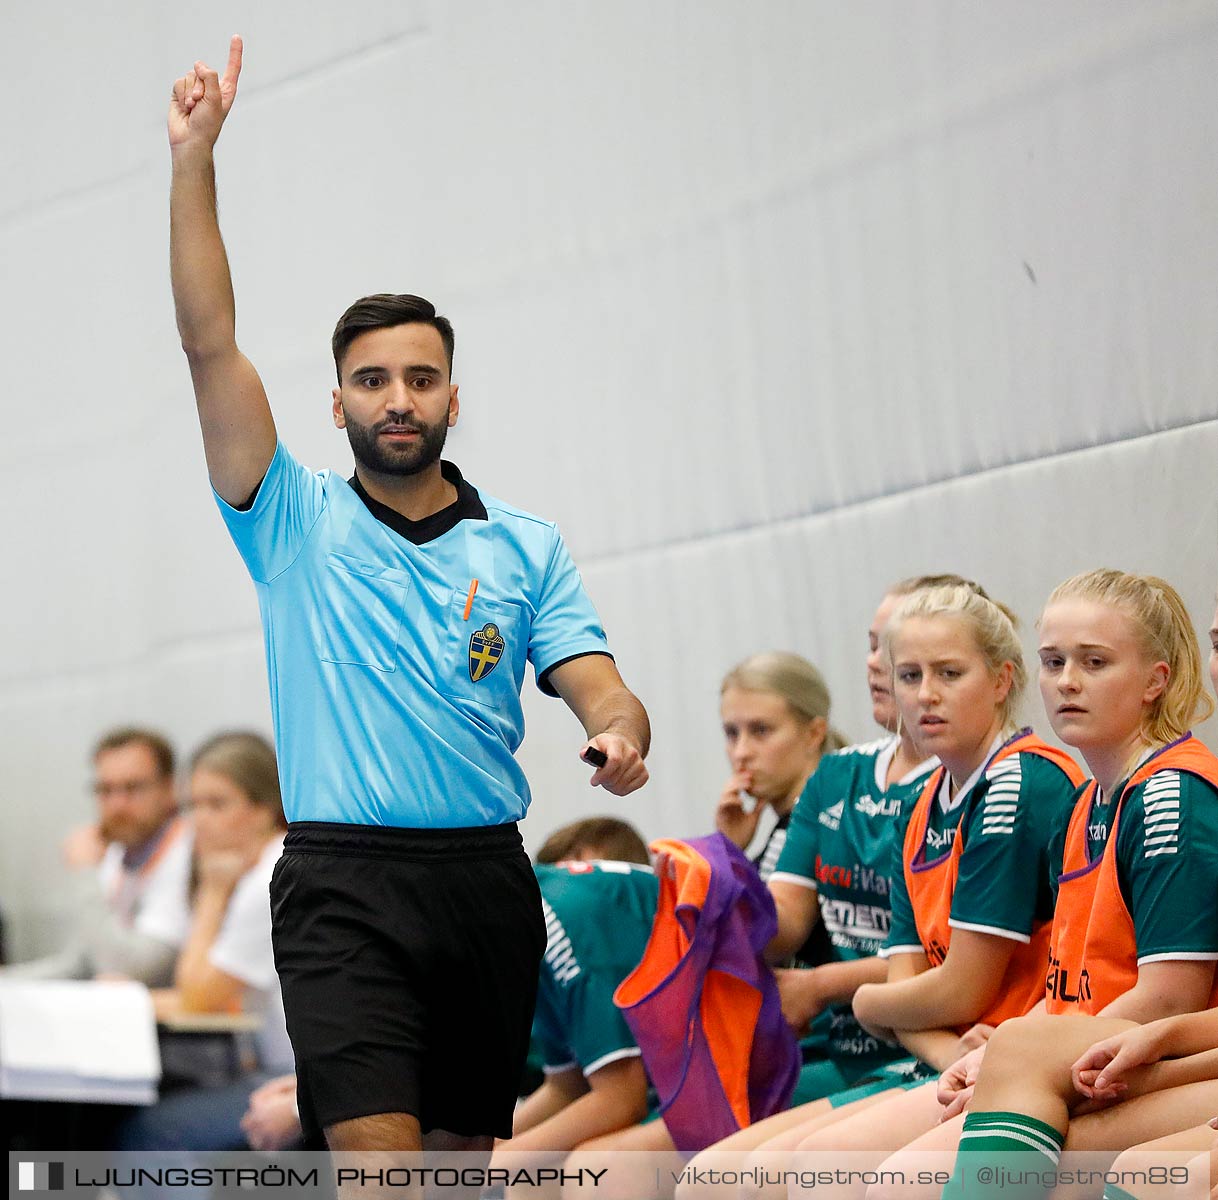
[(767, 304)]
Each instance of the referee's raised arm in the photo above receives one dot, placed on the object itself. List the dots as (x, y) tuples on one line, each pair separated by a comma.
[(238, 430)]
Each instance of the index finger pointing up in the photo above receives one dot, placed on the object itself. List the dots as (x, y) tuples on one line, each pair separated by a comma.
[(233, 70)]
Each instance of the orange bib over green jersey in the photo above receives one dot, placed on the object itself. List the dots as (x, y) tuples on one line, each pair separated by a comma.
[(931, 886), (1093, 954)]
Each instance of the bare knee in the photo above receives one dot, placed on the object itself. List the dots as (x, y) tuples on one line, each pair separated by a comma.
[(710, 1159), (1015, 1040), (1034, 1050), (587, 1175), (762, 1171), (1125, 1164), (911, 1175), (1028, 1060), (1175, 1171)]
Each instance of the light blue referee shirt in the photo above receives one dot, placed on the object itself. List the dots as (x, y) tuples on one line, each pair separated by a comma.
[(391, 707)]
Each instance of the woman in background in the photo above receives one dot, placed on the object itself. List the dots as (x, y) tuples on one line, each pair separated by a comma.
[(226, 964), (774, 708)]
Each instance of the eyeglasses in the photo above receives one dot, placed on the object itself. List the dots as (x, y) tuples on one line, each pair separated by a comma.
[(130, 787)]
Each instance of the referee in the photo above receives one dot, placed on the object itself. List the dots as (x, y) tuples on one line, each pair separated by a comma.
[(398, 609)]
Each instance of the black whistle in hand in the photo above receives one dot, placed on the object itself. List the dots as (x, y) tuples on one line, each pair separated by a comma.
[(597, 758)]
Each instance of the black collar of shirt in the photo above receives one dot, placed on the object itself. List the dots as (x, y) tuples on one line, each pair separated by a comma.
[(467, 506)]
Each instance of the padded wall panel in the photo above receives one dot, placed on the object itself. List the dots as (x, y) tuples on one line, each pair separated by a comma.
[(764, 304), (682, 618), (91, 87)]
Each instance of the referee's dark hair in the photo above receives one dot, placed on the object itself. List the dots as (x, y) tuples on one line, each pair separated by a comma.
[(384, 311)]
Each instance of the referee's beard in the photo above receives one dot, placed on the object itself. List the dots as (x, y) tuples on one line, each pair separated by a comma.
[(387, 458)]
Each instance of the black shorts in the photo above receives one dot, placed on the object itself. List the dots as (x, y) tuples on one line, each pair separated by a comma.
[(408, 960)]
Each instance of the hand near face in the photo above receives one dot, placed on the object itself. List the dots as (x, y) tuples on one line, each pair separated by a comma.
[(201, 101), (732, 819), (222, 869), (83, 848)]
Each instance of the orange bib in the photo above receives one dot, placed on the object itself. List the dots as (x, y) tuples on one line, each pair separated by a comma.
[(931, 886), (1093, 954)]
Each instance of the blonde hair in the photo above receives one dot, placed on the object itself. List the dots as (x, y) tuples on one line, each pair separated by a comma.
[(793, 679), (991, 624), (1166, 634), (916, 583), (248, 760)]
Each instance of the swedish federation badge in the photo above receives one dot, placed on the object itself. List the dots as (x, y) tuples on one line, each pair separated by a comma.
[(485, 651)]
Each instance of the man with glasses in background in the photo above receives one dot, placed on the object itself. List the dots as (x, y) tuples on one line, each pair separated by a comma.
[(129, 882)]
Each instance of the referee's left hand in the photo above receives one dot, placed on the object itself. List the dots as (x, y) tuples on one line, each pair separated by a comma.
[(624, 771)]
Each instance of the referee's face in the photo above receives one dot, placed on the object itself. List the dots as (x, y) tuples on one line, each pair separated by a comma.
[(396, 400)]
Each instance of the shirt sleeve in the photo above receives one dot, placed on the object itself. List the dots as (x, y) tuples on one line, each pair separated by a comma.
[(1167, 859), (903, 935), (797, 862), (271, 532), (596, 1031), (243, 946), (556, 1055), (164, 910), (1007, 831), (565, 625)]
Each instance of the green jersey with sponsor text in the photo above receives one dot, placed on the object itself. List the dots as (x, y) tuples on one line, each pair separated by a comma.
[(844, 836)]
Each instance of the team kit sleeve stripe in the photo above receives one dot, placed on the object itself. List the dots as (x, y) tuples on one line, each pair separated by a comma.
[(997, 828), (1167, 857), (889, 951), (799, 880), (1179, 956), (999, 890), (612, 1056), (991, 929)]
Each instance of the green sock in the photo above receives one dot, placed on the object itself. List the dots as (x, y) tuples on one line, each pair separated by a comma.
[(1004, 1156)]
